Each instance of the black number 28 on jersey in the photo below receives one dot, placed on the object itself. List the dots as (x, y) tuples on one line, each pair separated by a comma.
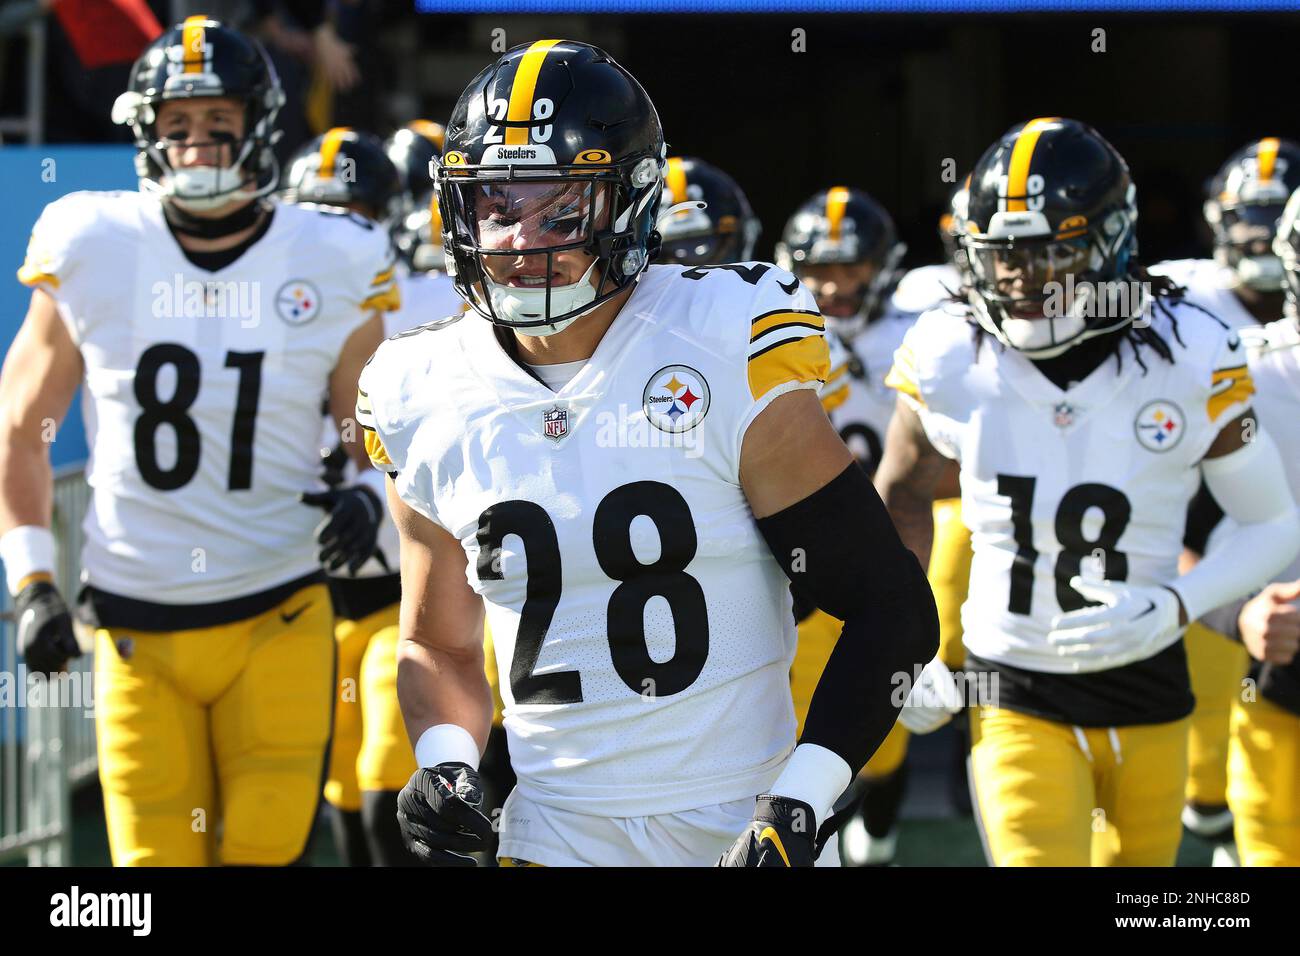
[(638, 583)]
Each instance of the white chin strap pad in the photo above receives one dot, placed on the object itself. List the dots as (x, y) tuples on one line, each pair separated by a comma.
[(518, 304)]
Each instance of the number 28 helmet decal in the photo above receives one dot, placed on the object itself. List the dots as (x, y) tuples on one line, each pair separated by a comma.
[(725, 230), (1245, 200), (1050, 207), (553, 148), (195, 59)]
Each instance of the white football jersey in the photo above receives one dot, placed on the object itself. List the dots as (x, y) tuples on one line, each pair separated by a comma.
[(203, 390), (1273, 352), (1092, 481), (862, 415), (926, 287), (1209, 285), (425, 297), (643, 631)]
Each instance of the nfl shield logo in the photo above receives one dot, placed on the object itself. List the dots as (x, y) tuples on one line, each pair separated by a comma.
[(1063, 415), (555, 423)]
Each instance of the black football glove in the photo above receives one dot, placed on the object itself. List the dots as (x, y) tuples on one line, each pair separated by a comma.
[(351, 528), (438, 811), (782, 833), (45, 636)]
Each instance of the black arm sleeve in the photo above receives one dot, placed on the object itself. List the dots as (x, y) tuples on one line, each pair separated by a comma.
[(843, 555), (1203, 516)]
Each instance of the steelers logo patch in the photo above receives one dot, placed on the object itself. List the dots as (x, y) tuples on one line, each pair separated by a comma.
[(297, 302), (676, 399), (1159, 425)]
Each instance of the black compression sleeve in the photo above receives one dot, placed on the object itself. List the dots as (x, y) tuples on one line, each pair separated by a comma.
[(1203, 516), (843, 555)]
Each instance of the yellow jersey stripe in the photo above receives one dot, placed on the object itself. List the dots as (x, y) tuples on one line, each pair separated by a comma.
[(771, 320), (1022, 154), (1266, 157), (795, 360), (193, 37), (902, 378), (676, 180), (385, 300), (836, 398), (836, 199), (523, 91), (376, 450), (29, 275), (385, 276), (1238, 388), (770, 834), (329, 150)]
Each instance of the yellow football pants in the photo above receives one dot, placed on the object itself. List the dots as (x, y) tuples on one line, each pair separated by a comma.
[(1050, 794), (1264, 783), (1217, 666), (370, 749), (220, 725), (949, 574)]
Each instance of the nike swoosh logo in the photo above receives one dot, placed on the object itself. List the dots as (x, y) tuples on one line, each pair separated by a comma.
[(290, 618), (770, 834), (790, 289), (1151, 606)]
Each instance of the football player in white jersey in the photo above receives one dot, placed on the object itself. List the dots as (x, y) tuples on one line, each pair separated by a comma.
[(1242, 284), (206, 323), (601, 456), (1263, 788), (370, 757), (843, 245), (1083, 401), (427, 291)]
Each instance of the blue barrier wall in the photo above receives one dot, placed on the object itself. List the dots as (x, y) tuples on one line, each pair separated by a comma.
[(29, 183)]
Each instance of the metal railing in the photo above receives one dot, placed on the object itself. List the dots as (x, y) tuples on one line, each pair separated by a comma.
[(31, 125), (47, 730)]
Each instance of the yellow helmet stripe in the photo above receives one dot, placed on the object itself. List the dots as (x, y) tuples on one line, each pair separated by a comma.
[(676, 179), (193, 38), (836, 200), (329, 150), (433, 132), (1266, 157), (523, 90), (1022, 153)]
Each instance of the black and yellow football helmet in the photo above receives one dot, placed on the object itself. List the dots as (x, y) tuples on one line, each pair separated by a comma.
[(845, 227), (555, 147), (1245, 201), (1050, 226), (724, 230)]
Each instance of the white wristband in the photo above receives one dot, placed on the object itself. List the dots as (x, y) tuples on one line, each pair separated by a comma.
[(816, 776), (446, 743), (26, 550)]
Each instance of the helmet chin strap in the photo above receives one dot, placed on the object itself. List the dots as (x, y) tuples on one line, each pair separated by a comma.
[(522, 304)]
